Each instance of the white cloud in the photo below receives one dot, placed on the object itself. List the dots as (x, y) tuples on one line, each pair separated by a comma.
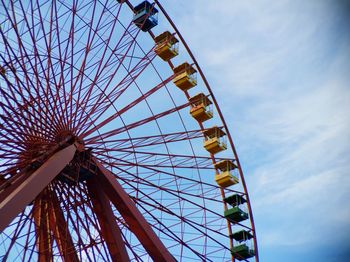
[(279, 70)]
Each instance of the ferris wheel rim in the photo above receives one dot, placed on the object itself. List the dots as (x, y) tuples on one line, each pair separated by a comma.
[(217, 108)]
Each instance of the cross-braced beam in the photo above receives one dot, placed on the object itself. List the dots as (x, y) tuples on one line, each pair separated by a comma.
[(15, 202), (109, 228), (132, 216)]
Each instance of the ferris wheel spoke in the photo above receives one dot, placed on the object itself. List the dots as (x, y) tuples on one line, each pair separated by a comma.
[(78, 80), (15, 124), (179, 194), (185, 192), (60, 66), (167, 177), (166, 230), (10, 146), (19, 227), (131, 215), (32, 115), (84, 98), (104, 101), (128, 107), (68, 52), (138, 142), (47, 37), (24, 53), (182, 193), (119, 52), (148, 200), (145, 158), (135, 124), (49, 42), (10, 96), (19, 91)]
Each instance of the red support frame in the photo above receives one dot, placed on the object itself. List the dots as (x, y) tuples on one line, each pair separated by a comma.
[(109, 228), (16, 201), (132, 216), (42, 228), (59, 228)]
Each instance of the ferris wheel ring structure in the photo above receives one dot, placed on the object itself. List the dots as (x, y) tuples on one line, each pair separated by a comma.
[(112, 144)]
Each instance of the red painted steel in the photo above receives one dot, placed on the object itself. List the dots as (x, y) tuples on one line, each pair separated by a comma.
[(66, 81), (224, 123), (132, 216), (138, 123), (136, 142), (109, 228), (25, 193), (42, 228), (60, 229), (129, 106)]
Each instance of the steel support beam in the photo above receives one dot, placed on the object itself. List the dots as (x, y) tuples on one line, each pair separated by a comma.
[(41, 219), (16, 201), (109, 228), (132, 216), (59, 228)]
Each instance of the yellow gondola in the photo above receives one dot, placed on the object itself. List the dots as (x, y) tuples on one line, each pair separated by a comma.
[(214, 143), (200, 107), (166, 46), (224, 178), (185, 76)]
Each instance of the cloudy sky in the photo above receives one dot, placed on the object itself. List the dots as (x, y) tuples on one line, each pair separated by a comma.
[(281, 72)]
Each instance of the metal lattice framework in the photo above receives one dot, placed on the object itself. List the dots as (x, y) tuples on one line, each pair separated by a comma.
[(100, 159)]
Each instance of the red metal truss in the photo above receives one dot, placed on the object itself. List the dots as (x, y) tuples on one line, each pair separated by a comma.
[(18, 199), (109, 228), (82, 71), (60, 229), (132, 216), (42, 228), (161, 160), (144, 141), (136, 124), (128, 107)]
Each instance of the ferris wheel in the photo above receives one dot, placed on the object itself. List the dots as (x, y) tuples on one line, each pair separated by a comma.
[(112, 144)]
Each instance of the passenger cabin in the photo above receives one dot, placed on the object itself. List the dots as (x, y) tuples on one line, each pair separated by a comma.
[(235, 200), (145, 16), (201, 107), (235, 215), (241, 251), (167, 46), (224, 178), (242, 235), (213, 140), (185, 76)]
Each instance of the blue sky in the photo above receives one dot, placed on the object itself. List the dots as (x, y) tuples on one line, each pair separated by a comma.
[(280, 71)]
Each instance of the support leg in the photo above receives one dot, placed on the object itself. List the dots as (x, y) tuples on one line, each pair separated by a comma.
[(42, 228), (132, 216), (109, 228), (14, 202), (59, 228)]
